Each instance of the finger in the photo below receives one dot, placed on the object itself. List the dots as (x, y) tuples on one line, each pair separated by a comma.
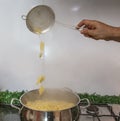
[(83, 22), (90, 24), (87, 32), (80, 24)]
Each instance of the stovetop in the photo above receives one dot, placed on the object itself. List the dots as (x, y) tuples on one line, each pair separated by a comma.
[(101, 112), (7, 113)]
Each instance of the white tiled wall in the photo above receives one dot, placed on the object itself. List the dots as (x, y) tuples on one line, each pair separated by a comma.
[(71, 60)]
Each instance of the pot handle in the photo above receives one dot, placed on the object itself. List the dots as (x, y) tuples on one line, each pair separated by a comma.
[(88, 103), (12, 105), (24, 17)]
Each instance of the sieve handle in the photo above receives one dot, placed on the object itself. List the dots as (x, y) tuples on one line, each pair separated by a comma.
[(68, 26)]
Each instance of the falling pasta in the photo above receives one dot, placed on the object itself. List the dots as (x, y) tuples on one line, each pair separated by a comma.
[(40, 79), (42, 47), (41, 90)]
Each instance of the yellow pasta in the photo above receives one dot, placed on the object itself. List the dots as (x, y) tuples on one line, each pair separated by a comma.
[(41, 54), (37, 30), (40, 79), (46, 105), (41, 90), (42, 46)]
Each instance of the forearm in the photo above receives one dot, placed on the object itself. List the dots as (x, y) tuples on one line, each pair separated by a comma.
[(114, 34)]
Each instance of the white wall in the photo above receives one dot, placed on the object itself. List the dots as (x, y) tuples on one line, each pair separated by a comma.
[(71, 60)]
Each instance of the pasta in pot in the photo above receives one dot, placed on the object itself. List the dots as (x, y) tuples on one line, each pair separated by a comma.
[(49, 105)]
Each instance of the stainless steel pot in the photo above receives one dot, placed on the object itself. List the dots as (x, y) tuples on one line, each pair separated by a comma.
[(69, 114), (40, 19)]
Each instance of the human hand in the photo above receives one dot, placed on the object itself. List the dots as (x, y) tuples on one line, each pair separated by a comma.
[(96, 29)]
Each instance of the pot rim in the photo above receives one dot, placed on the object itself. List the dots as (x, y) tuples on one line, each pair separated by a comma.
[(75, 94)]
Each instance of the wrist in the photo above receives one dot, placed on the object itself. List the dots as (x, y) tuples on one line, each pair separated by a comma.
[(114, 33)]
